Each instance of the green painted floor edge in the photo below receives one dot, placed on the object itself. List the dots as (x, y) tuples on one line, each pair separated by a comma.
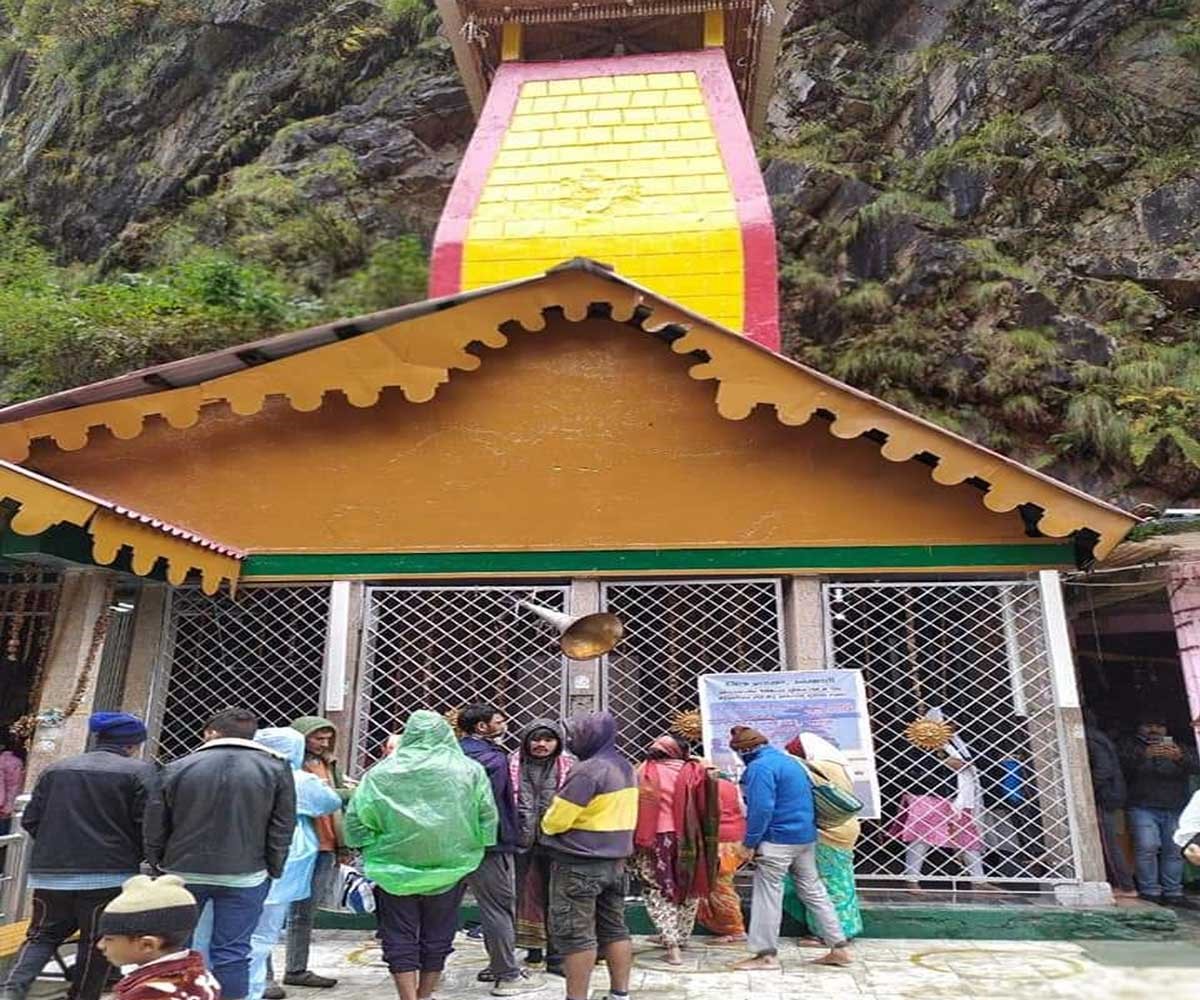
[(940, 923)]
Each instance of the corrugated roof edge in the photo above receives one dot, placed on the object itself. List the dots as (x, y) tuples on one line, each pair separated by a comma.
[(164, 526)]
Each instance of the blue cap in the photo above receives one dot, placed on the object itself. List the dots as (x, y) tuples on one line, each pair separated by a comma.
[(119, 728)]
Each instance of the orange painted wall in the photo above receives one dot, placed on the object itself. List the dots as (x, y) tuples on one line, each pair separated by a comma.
[(588, 435)]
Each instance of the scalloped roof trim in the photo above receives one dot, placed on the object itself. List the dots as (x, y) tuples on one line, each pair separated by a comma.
[(417, 354)]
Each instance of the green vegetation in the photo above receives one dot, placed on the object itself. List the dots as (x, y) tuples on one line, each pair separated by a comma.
[(62, 326)]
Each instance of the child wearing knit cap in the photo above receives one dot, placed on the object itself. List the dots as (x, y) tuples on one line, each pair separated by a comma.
[(149, 925)]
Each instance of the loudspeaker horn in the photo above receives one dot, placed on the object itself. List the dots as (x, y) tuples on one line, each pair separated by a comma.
[(581, 637)]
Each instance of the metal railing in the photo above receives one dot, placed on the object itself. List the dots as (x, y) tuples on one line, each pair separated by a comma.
[(264, 651), (443, 647), (15, 845)]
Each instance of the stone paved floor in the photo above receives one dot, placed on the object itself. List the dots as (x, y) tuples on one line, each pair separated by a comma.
[(887, 970)]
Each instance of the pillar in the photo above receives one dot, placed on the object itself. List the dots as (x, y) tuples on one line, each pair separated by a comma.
[(1183, 590), (512, 35), (1081, 804), (343, 648), (69, 679), (582, 677), (804, 624), (714, 29), (146, 673)]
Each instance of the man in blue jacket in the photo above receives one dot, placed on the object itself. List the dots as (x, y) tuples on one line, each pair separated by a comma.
[(781, 829), (494, 881)]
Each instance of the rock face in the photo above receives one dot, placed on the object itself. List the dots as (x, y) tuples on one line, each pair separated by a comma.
[(1080, 26), (1016, 239), (988, 210), (134, 139)]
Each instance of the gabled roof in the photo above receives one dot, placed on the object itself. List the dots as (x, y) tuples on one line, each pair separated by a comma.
[(416, 347), (42, 502)]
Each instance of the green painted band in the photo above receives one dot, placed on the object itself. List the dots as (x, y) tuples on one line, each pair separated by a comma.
[(656, 560)]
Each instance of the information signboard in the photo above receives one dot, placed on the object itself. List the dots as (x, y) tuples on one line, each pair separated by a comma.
[(782, 704)]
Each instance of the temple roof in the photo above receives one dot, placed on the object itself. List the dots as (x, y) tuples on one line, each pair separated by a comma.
[(38, 503), (415, 348)]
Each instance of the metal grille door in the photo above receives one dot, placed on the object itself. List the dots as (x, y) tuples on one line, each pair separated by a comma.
[(977, 650), (441, 648), (674, 633), (264, 651)]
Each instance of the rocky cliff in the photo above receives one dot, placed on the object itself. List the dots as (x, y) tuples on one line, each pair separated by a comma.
[(988, 210)]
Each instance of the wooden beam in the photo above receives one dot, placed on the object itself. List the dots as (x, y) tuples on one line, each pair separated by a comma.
[(511, 36), (714, 29)]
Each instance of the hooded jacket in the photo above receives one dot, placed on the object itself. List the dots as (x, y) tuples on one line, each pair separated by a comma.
[(306, 725), (424, 815), (313, 798), (779, 799), (595, 812), (495, 762), (535, 781), (229, 808)]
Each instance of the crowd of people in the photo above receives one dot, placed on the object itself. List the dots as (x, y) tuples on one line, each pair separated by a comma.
[(244, 836)]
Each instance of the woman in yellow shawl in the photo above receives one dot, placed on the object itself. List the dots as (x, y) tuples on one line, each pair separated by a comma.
[(835, 846)]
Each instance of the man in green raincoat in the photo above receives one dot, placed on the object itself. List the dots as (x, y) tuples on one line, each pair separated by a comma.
[(422, 818)]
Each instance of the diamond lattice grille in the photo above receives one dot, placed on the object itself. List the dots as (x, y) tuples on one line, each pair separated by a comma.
[(674, 633), (445, 647), (264, 651), (978, 650)]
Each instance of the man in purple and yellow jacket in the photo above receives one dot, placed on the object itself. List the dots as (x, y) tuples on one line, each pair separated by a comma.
[(590, 826)]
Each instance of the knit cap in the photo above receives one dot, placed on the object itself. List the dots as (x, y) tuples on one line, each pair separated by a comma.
[(160, 907), (744, 738), (118, 728)]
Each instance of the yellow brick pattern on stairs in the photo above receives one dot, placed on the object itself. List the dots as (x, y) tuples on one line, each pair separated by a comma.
[(622, 169)]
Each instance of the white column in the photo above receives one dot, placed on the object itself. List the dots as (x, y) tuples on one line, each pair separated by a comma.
[(1081, 803), (1183, 588), (341, 688)]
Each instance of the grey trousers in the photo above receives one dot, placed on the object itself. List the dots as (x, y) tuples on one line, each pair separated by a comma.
[(494, 885), (771, 865), (304, 911)]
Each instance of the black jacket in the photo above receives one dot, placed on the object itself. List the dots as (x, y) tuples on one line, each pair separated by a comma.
[(227, 809), (495, 762), (85, 814), (1157, 782), (1108, 780)]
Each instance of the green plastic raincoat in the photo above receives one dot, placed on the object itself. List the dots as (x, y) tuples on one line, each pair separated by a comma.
[(423, 816)]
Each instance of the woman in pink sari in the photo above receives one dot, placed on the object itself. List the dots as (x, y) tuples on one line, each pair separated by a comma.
[(676, 840)]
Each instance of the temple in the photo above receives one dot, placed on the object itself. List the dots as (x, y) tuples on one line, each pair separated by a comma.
[(591, 412)]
